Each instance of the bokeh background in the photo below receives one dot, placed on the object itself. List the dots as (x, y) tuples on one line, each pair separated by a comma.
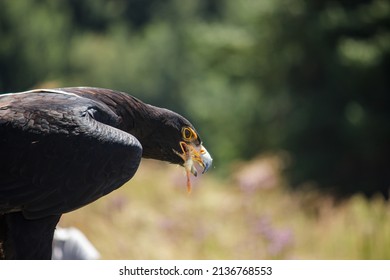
[(291, 98)]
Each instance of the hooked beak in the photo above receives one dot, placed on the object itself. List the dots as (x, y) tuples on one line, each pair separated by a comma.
[(206, 159), (202, 157), (195, 154)]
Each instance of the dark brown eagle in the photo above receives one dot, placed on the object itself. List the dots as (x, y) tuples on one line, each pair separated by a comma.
[(61, 149)]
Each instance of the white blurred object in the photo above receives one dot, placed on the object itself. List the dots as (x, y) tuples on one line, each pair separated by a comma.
[(71, 244)]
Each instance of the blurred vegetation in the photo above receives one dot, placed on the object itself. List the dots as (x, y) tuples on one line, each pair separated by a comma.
[(246, 216), (308, 80)]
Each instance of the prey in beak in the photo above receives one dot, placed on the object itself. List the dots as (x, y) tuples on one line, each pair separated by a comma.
[(193, 154)]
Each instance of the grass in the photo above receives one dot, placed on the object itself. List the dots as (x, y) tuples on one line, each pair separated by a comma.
[(245, 216)]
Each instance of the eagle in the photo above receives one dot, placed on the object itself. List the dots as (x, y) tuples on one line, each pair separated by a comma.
[(63, 148)]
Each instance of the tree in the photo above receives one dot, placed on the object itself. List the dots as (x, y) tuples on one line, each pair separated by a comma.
[(308, 78), (34, 43)]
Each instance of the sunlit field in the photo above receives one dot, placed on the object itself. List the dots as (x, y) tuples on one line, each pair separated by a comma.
[(249, 215)]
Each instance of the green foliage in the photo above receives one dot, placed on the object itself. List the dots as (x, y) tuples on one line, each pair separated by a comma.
[(305, 77), (33, 48)]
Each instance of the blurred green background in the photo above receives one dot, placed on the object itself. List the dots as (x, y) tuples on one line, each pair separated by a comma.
[(306, 82)]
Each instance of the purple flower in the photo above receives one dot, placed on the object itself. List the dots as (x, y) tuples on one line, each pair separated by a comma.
[(278, 239)]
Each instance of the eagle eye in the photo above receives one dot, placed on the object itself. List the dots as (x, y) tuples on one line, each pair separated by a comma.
[(188, 134)]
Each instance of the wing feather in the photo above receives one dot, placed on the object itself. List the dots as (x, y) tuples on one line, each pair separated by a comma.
[(60, 151)]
